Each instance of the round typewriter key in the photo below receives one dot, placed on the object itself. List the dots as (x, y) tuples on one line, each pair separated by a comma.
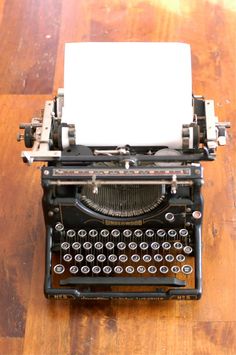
[(135, 258), (65, 246), (158, 257), (123, 258), (76, 245), (187, 269), (169, 258), (138, 233), (183, 232), (93, 233), (169, 217), (110, 245), (180, 258), (115, 233), (188, 250), (87, 245), (175, 269), (178, 245), (127, 233), (121, 245), (67, 257), (197, 214), (118, 269), (104, 233), (166, 246), (74, 269), (96, 269), (85, 269), (149, 233), (107, 269), (79, 257), (90, 258), (82, 233), (161, 233), (112, 258), (152, 269), (164, 269), (98, 245), (129, 269), (147, 258), (132, 246), (172, 233), (143, 245), (59, 227), (141, 269), (59, 269), (155, 246), (70, 233), (101, 258)]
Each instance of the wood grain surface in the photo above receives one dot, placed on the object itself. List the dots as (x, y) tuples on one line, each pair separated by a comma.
[(32, 37)]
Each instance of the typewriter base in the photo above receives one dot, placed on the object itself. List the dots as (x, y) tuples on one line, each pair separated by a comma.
[(85, 287)]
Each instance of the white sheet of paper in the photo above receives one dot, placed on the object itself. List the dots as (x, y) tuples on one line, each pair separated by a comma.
[(134, 93)]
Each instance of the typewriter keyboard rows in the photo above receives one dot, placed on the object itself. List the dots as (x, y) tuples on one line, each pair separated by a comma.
[(100, 253)]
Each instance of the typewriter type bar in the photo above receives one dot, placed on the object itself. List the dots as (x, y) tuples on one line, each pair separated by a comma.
[(122, 222)]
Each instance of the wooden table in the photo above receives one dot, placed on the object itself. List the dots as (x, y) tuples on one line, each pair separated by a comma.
[(32, 36)]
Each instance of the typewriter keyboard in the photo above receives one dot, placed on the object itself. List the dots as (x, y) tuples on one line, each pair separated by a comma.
[(124, 252)]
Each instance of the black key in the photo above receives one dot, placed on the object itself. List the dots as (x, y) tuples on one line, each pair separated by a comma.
[(187, 269), (118, 269), (121, 245), (143, 245), (115, 233), (166, 245), (79, 257), (147, 258), (138, 233), (188, 250), (175, 269), (85, 269), (178, 245), (74, 269), (90, 258), (135, 258), (87, 245), (98, 245), (180, 258), (132, 245), (112, 258), (149, 233), (93, 233), (158, 257), (76, 245), (129, 269), (110, 245), (123, 258), (161, 233), (169, 258), (70, 233), (65, 246), (155, 246), (164, 269), (172, 233), (152, 269), (82, 233), (59, 269), (101, 258), (96, 269), (183, 232), (141, 269), (67, 257), (104, 233), (127, 233), (107, 269)]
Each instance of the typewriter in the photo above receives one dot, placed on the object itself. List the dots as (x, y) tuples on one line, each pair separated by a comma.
[(126, 221), (122, 221)]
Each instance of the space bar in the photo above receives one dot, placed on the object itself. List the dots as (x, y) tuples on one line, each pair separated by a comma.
[(132, 281)]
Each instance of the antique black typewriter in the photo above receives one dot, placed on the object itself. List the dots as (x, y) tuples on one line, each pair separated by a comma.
[(122, 221)]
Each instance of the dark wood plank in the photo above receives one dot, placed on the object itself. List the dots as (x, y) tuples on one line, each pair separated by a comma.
[(20, 222), (11, 346), (218, 338), (28, 43)]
